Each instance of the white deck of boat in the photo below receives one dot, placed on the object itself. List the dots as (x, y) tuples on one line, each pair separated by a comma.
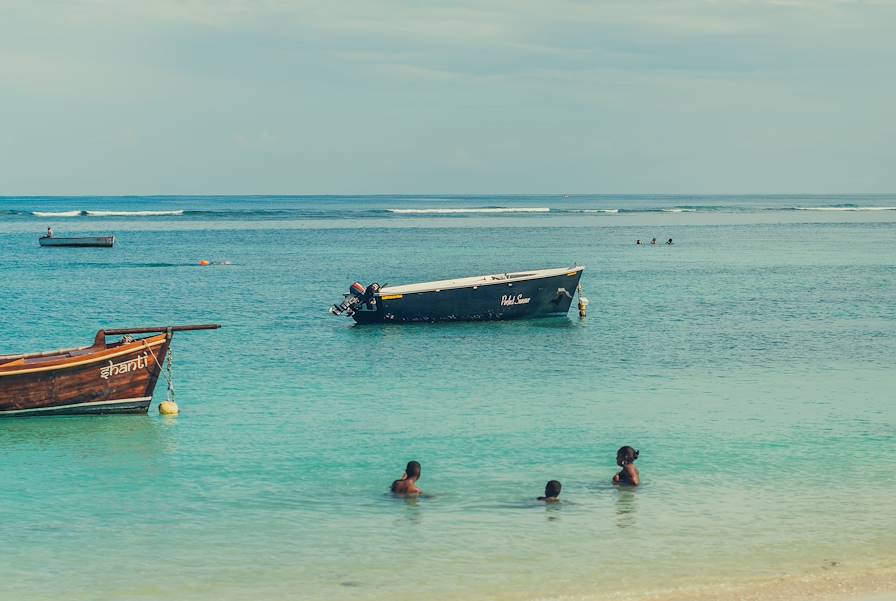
[(479, 280)]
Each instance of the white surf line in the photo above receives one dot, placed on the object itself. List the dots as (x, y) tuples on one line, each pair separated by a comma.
[(56, 214), (133, 213), (471, 210), (845, 208)]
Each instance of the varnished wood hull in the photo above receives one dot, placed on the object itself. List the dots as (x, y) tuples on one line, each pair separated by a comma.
[(116, 378)]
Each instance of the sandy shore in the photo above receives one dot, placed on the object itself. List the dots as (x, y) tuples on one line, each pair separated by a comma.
[(877, 584)]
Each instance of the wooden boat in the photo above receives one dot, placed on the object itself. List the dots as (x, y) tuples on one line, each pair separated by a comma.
[(104, 241), (487, 297), (106, 377)]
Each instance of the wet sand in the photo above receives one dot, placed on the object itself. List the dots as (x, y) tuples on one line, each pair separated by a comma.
[(877, 584)]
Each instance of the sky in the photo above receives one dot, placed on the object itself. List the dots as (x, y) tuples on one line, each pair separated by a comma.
[(469, 97)]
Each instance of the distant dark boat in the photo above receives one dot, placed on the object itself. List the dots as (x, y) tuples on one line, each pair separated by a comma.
[(488, 297), (104, 241), (106, 377)]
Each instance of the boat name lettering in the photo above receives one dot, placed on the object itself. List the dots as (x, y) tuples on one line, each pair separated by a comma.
[(139, 362), (508, 300)]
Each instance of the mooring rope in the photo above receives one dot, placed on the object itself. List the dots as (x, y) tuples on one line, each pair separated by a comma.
[(169, 377)]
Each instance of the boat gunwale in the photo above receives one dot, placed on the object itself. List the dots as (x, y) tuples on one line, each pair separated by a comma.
[(61, 351), (76, 242), (77, 238), (476, 281), (62, 362)]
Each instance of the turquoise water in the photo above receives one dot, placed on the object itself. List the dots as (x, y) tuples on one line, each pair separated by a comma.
[(751, 363)]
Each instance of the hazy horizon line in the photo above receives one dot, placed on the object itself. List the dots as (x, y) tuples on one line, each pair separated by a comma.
[(436, 195)]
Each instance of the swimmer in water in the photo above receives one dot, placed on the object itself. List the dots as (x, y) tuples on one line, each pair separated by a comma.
[(408, 483), (669, 242), (625, 458), (551, 492), (653, 242), (638, 243)]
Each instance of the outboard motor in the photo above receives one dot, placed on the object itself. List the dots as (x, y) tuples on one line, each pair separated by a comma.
[(357, 295), (357, 289)]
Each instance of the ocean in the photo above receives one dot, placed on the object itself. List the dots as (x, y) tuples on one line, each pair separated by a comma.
[(751, 363)]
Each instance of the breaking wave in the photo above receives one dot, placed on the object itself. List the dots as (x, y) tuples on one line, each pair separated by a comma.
[(106, 213), (333, 212), (57, 213), (133, 213), (844, 208), (469, 210)]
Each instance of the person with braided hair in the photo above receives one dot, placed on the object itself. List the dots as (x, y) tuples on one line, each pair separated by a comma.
[(625, 458)]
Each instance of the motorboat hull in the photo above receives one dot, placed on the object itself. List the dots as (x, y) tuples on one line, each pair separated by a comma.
[(509, 298)]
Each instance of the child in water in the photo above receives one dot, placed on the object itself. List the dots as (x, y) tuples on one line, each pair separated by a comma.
[(551, 492), (625, 458), (408, 483)]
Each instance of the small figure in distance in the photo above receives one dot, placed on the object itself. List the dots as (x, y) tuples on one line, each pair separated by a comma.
[(638, 243), (408, 483), (551, 492), (669, 242), (625, 458), (653, 242), (49, 232)]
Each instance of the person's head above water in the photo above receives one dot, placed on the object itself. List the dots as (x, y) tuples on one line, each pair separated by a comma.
[(408, 483), (552, 489), (412, 471), (626, 456)]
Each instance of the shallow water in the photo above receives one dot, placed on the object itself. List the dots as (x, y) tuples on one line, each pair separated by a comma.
[(751, 363)]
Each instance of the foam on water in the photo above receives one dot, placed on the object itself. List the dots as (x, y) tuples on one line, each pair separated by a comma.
[(133, 213), (78, 213), (411, 207), (845, 208), (452, 211), (57, 213)]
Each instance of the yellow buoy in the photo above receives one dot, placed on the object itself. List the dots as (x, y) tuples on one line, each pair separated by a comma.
[(168, 408), (583, 306)]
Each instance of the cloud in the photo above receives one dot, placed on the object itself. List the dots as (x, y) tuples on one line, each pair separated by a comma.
[(256, 140), (372, 86)]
